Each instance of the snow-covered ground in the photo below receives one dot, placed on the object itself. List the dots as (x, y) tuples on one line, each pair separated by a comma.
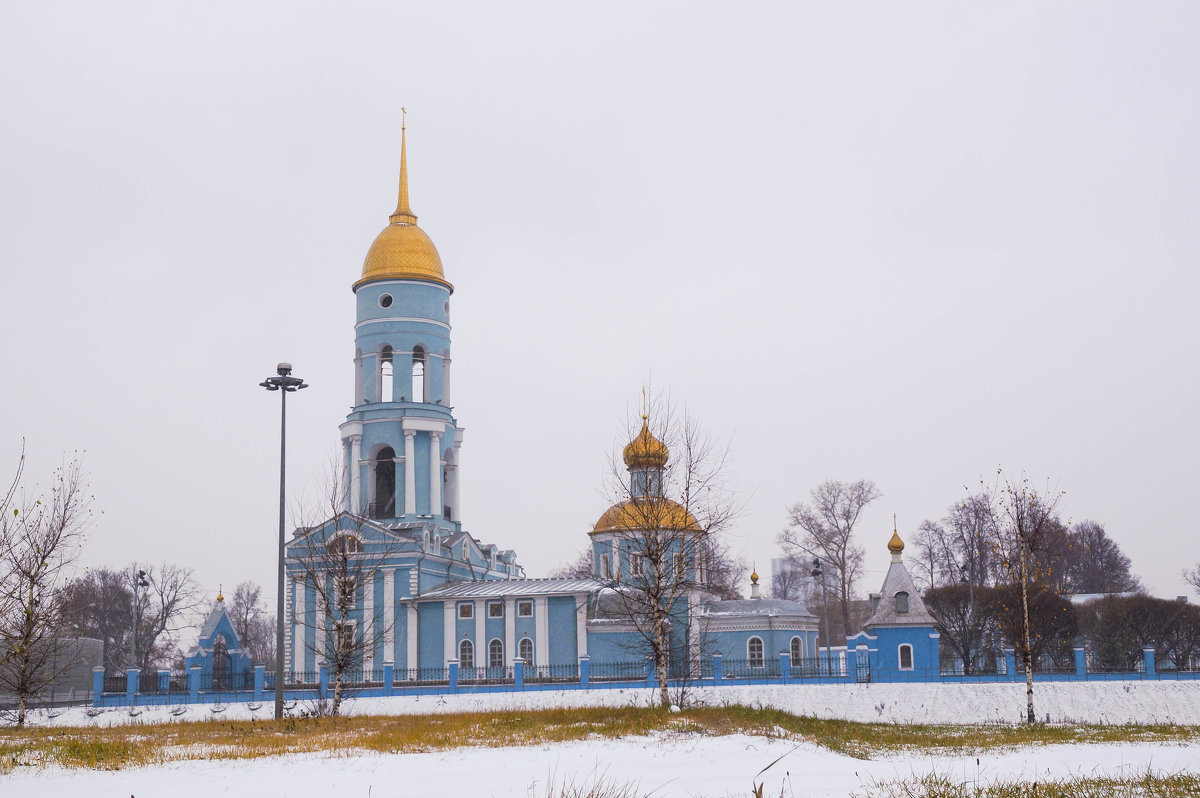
[(664, 766), (1082, 702), (668, 764)]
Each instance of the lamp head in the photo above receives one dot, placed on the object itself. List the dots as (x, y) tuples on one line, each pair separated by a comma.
[(284, 369)]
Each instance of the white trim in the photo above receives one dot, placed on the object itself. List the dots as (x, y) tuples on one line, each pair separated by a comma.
[(410, 639), (533, 643), (480, 623), (449, 643), (791, 648), (912, 657), (541, 626), (489, 653), (581, 648), (389, 614), (415, 424), (369, 624), (392, 319), (510, 629)]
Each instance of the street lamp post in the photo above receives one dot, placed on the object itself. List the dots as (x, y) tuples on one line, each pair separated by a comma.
[(817, 573), (285, 383), (139, 581)]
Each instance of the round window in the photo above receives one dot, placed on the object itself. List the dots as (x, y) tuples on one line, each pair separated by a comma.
[(385, 301)]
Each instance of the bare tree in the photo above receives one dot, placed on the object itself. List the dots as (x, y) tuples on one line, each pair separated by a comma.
[(40, 536), (164, 607), (579, 568), (1192, 577), (824, 528), (337, 560), (254, 625), (1024, 523), (670, 502), (99, 605), (1095, 563)]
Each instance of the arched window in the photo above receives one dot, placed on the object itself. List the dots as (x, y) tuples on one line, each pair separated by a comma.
[(466, 654), (754, 652), (385, 375), (418, 374), (496, 653), (384, 505), (901, 602), (220, 664), (525, 649), (797, 649), (906, 657)]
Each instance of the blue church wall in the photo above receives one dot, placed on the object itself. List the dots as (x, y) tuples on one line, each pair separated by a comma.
[(735, 644), (431, 637), (464, 628), (400, 635), (884, 646), (524, 627), (561, 619), (614, 647), (494, 629)]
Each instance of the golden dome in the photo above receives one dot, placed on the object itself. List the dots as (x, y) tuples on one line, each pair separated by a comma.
[(403, 250), (646, 451), (895, 545), (640, 514)]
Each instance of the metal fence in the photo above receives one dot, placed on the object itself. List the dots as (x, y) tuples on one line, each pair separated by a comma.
[(617, 671)]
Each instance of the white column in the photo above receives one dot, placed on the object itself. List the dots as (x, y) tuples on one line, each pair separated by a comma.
[(510, 629), (410, 639), (410, 472), (368, 623), (581, 626), (355, 474), (298, 641), (481, 641), (541, 631), (449, 644), (457, 479), (446, 381), (435, 474), (389, 615), (347, 470)]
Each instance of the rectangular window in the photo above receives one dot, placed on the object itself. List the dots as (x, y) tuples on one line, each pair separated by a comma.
[(524, 609), (635, 564), (466, 610), (605, 567), (496, 609)]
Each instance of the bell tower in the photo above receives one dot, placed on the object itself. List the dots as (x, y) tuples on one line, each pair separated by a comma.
[(400, 442)]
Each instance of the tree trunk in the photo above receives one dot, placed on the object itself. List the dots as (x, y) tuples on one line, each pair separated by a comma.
[(1026, 643), (337, 693), (664, 697)]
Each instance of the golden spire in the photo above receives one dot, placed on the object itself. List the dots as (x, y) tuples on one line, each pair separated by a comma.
[(403, 214), (220, 593)]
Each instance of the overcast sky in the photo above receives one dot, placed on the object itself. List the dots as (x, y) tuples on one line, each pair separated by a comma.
[(903, 242)]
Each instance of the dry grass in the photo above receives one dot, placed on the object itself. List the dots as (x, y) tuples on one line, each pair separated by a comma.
[(127, 746), (1146, 785)]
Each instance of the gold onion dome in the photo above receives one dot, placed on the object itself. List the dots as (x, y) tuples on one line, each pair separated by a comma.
[(895, 545), (642, 514), (646, 451), (403, 250)]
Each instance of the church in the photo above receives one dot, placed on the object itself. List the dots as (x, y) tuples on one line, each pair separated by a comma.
[(394, 576)]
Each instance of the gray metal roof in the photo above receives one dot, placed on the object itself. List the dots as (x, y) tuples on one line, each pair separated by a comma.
[(752, 607), (898, 580), (496, 588)]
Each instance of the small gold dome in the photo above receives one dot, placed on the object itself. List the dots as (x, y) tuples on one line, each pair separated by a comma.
[(754, 577), (642, 514), (403, 250), (646, 451), (895, 545)]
